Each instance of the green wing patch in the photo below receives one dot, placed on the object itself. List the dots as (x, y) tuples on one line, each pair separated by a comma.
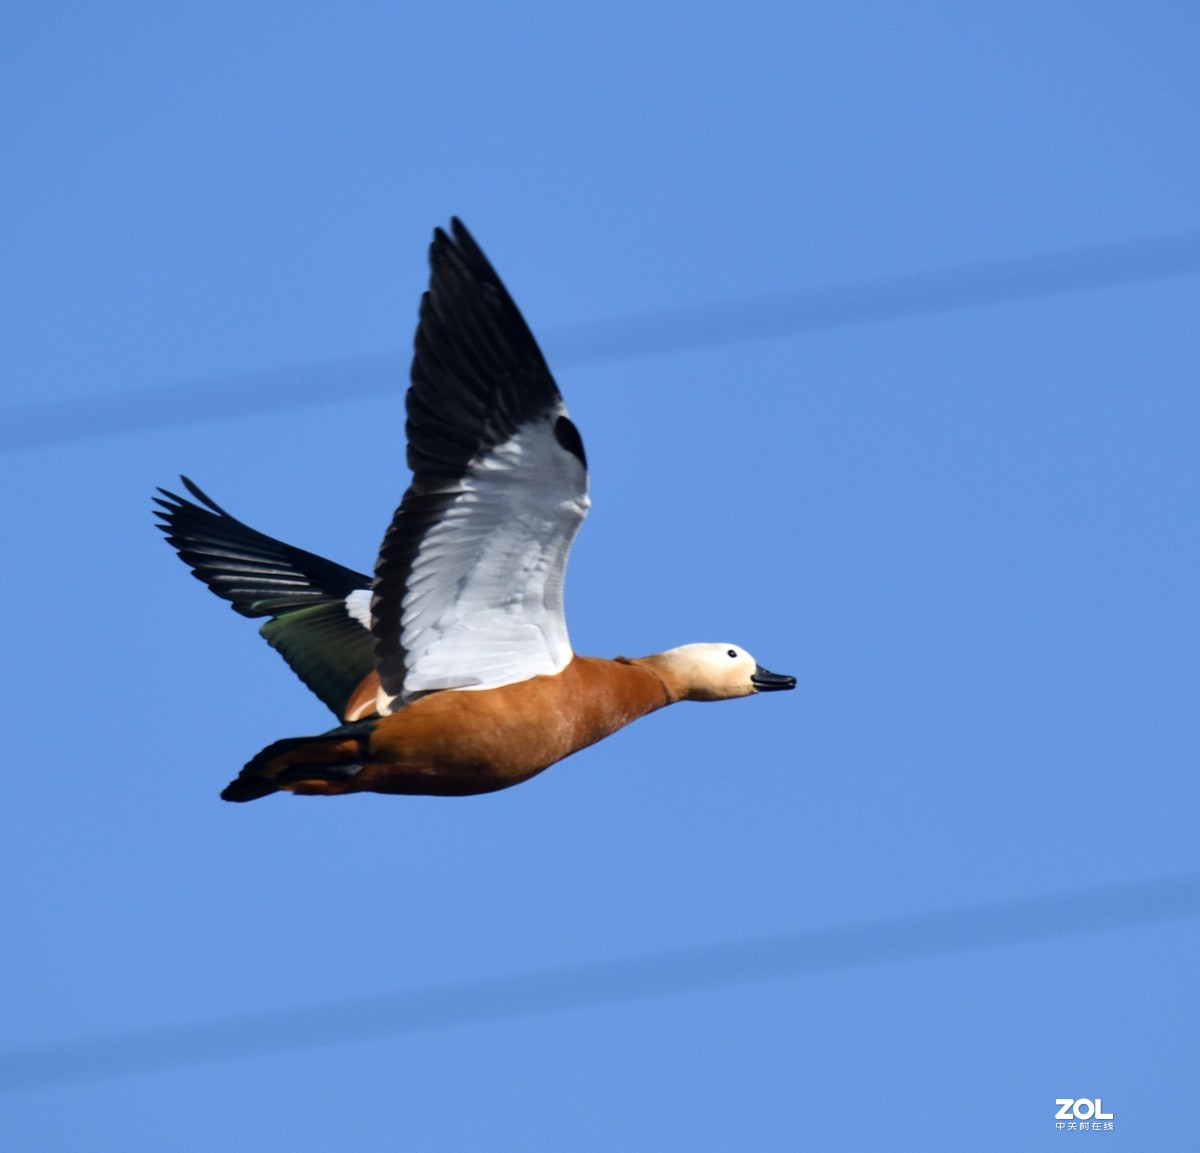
[(326, 648)]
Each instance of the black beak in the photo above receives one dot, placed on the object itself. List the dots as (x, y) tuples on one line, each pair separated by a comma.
[(767, 682)]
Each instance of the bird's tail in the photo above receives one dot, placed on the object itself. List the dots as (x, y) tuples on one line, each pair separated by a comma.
[(324, 765)]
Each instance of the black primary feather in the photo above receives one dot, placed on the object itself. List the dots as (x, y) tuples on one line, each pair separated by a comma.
[(259, 575)]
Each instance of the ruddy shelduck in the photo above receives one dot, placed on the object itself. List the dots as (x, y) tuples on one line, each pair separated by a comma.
[(451, 670)]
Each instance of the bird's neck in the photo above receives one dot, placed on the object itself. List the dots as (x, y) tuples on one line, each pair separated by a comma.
[(656, 676), (612, 693)]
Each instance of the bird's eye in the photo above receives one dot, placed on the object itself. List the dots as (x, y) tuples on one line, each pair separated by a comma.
[(733, 653)]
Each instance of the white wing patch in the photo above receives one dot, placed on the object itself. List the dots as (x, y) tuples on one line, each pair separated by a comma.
[(358, 605), (484, 601)]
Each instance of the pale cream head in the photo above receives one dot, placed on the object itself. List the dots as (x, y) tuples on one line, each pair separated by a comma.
[(718, 672)]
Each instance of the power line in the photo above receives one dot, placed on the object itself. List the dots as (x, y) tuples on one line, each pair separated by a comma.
[(864, 302), (574, 987), (953, 289), (42, 425)]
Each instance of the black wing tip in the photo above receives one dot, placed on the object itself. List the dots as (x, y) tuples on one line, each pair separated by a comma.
[(459, 248), (179, 519), (170, 507), (173, 503), (466, 243), (456, 234), (201, 496)]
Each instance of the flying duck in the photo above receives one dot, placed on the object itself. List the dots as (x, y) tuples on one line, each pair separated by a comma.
[(451, 671)]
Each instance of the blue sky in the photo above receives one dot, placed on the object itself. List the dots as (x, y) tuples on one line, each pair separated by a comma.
[(971, 536)]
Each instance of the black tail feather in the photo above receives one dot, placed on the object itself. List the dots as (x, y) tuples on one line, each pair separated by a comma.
[(248, 789), (333, 756)]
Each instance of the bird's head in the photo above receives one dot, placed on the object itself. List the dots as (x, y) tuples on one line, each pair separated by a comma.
[(718, 672)]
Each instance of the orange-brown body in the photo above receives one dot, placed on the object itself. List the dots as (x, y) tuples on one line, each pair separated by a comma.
[(452, 743)]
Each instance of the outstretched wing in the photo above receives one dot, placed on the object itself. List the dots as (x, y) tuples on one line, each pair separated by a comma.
[(318, 609), (468, 586)]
